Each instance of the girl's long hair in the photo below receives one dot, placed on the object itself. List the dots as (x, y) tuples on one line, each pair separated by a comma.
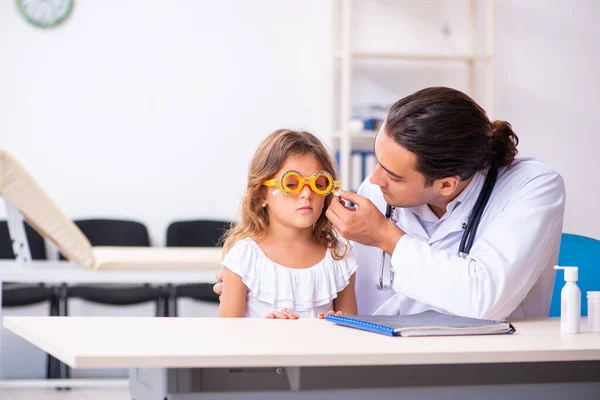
[(268, 159)]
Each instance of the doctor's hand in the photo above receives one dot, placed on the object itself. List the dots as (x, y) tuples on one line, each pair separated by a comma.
[(218, 287), (364, 224)]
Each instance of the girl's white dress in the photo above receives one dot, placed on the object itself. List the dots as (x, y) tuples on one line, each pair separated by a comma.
[(273, 287)]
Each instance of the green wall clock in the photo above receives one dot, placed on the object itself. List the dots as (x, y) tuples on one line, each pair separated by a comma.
[(45, 13)]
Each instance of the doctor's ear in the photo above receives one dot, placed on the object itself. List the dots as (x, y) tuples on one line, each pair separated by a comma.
[(447, 186)]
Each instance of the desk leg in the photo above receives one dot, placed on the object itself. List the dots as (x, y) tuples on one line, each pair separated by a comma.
[(148, 383)]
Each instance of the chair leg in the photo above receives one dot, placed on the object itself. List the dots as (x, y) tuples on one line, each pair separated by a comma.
[(171, 300), (64, 371), (49, 365), (49, 372), (63, 300), (51, 362), (175, 310), (160, 308), (166, 307)]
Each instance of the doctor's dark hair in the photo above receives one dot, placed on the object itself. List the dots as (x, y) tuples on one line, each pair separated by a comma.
[(450, 134), (268, 159)]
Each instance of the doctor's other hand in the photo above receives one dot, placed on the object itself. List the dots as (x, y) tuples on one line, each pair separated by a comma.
[(330, 312), (282, 314), (364, 224), (218, 287)]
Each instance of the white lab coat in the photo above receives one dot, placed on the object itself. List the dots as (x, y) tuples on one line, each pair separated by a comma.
[(509, 271)]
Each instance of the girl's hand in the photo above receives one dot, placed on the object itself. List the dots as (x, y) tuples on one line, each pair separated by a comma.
[(282, 314), (330, 312)]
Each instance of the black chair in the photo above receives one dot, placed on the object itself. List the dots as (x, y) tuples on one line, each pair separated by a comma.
[(24, 294), (109, 232), (194, 233)]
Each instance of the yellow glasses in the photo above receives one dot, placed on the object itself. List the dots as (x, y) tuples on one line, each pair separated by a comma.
[(291, 182)]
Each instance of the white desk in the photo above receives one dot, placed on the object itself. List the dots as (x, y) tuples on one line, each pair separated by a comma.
[(259, 358), (58, 272)]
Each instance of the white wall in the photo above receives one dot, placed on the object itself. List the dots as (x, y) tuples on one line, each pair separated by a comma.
[(547, 87), (151, 109)]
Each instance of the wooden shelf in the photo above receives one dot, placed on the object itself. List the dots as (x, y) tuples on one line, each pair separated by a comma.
[(360, 141), (362, 135), (476, 58), (368, 56)]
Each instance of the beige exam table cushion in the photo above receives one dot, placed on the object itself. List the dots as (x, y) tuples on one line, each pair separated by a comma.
[(17, 186), (164, 258)]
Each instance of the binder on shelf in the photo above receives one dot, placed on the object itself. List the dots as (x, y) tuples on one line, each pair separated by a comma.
[(362, 164), (370, 163), (356, 171)]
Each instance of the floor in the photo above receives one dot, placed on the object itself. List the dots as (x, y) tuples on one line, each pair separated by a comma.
[(73, 394)]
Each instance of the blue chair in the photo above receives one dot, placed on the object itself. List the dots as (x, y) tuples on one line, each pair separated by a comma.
[(582, 252)]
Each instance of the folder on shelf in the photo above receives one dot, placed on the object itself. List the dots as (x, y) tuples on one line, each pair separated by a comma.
[(362, 164)]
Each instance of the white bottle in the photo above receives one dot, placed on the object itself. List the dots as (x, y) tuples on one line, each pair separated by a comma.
[(570, 301)]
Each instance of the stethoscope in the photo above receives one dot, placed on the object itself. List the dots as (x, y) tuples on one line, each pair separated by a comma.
[(468, 236)]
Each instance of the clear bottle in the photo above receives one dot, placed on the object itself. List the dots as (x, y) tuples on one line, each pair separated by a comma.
[(594, 311), (570, 301)]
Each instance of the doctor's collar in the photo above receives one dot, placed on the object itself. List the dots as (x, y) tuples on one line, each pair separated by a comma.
[(473, 187), (470, 191)]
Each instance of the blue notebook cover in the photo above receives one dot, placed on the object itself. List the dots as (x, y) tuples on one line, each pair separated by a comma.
[(428, 323)]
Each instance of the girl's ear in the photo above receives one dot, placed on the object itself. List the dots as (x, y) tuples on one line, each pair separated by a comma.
[(263, 198)]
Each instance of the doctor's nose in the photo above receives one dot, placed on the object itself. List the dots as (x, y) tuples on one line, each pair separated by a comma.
[(377, 178)]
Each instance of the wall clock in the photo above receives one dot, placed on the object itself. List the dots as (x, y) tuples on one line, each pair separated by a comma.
[(45, 13)]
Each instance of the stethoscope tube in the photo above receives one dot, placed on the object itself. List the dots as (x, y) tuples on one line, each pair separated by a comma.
[(468, 237), (389, 212)]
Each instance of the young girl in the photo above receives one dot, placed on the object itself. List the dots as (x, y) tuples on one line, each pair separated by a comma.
[(284, 259)]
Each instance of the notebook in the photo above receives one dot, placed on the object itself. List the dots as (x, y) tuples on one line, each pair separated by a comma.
[(428, 323)]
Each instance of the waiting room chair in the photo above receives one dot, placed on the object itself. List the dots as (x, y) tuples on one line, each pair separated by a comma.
[(194, 233), (111, 232)]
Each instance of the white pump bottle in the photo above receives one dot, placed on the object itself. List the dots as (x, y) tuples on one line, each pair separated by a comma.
[(570, 301)]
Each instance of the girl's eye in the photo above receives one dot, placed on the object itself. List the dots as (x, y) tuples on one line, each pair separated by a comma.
[(321, 182)]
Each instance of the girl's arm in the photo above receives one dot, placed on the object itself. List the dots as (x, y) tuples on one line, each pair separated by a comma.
[(346, 299), (233, 299)]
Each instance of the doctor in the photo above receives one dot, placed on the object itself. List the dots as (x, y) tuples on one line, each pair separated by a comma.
[(470, 231)]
